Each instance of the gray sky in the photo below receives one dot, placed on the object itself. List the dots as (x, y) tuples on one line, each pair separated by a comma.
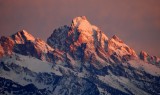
[(136, 22)]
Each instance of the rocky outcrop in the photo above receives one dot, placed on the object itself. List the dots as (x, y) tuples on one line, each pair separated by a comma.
[(149, 59), (6, 46)]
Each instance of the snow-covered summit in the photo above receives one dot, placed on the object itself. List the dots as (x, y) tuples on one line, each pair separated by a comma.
[(77, 21), (24, 43), (22, 36), (77, 59), (81, 23), (118, 48), (87, 40)]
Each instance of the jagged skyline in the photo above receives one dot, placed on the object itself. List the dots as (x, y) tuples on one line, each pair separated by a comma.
[(76, 60), (135, 22)]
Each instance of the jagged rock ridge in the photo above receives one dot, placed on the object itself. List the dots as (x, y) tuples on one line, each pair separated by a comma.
[(76, 60), (86, 42)]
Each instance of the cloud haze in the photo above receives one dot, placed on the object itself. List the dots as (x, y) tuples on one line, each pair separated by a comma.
[(136, 22)]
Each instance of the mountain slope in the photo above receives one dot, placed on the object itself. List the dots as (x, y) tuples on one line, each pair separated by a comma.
[(24, 43), (86, 43), (25, 70), (76, 60)]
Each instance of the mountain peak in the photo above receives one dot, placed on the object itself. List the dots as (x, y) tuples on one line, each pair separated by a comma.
[(23, 31), (81, 23), (116, 38), (22, 36), (79, 19), (118, 47), (85, 40)]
